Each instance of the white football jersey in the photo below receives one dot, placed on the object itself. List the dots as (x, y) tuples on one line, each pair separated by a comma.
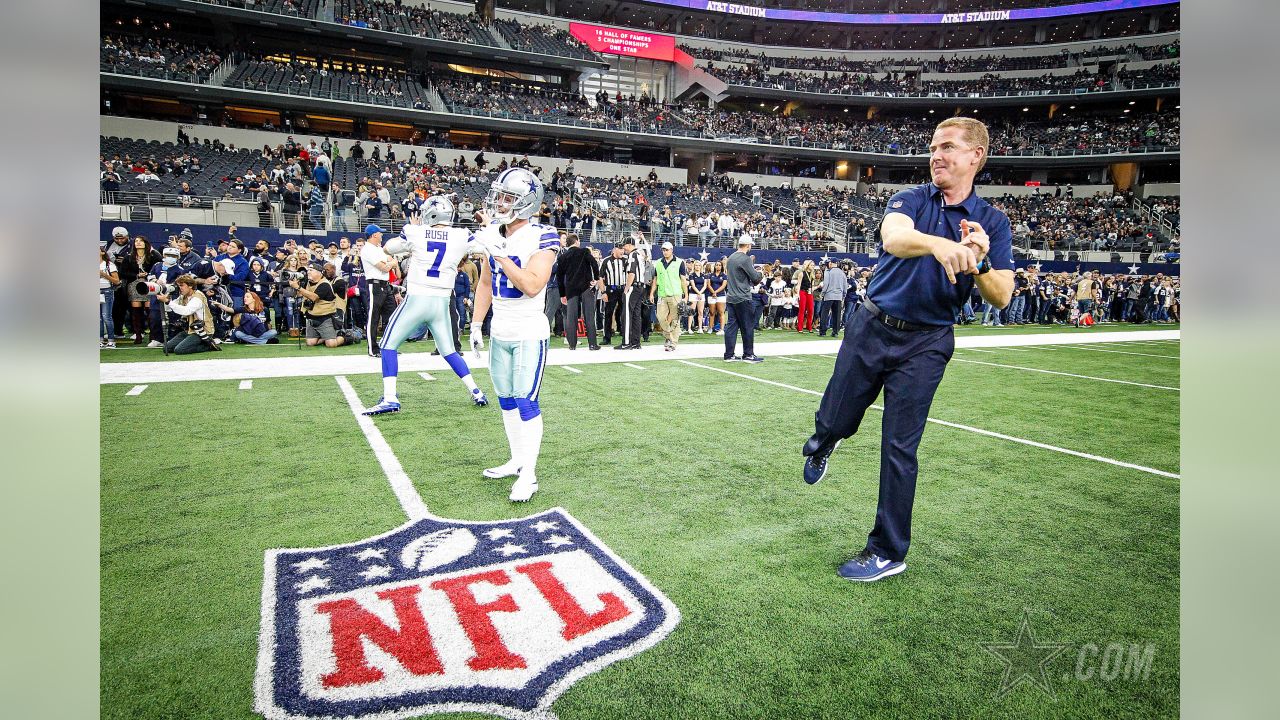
[(517, 316), (434, 256)]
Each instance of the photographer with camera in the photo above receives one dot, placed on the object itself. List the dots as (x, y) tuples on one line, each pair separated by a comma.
[(192, 305), (320, 305)]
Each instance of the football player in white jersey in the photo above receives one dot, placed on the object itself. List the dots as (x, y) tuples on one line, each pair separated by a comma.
[(514, 280), (435, 250)]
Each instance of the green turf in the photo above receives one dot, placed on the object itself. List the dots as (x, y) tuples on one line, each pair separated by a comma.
[(703, 496), (126, 351)]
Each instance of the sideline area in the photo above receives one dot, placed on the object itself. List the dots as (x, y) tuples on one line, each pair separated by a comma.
[(254, 368)]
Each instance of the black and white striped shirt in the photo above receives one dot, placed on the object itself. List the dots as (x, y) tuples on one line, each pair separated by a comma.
[(614, 271)]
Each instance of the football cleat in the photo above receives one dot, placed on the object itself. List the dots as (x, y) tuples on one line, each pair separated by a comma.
[(506, 469), (383, 407), (524, 488), (477, 397)]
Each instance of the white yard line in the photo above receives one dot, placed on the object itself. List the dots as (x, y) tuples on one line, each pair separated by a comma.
[(980, 350), (572, 369), (401, 485), (426, 376), (1066, 374), (784, 357), (246, 384), (320, 364), (633, 365), (969, 428), (1118, 352), (832, 357), (136, 390)]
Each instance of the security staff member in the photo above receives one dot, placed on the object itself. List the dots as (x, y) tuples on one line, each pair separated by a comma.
[(377, 266), (938, 240), (633, 294), (614, 277)]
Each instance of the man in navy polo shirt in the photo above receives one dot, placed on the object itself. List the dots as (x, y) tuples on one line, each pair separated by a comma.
[(937, 241)]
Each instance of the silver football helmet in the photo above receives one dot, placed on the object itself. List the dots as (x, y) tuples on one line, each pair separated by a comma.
[(515, 195), (437, 210)]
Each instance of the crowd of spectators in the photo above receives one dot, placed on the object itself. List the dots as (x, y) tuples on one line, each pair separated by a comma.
[(190, 301), (327, 79), (845, 83), (1103, 222), (955, 64), (150, 57)]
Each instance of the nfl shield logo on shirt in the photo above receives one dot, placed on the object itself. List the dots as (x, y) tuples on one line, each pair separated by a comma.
[(896, 204), (449, 616)]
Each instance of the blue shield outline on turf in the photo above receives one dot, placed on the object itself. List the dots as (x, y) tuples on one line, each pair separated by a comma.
[(295, 580)]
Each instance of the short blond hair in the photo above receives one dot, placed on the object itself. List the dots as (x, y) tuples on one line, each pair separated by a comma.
[(975, 134)]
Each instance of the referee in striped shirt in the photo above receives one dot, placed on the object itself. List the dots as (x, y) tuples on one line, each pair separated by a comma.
[(614, 274)]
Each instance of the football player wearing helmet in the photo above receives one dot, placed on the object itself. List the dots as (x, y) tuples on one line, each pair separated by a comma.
[(514, 281), (434, 249)]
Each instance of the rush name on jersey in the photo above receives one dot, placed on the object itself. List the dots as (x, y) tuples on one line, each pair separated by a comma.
[(436, 252), (517, 316)]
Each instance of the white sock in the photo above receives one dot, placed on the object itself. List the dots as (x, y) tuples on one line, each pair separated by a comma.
[(511, 421), (531, 444), (389, 388), (471, 384)]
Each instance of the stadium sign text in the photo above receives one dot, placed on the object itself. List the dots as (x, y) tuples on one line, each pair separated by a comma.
[(986, 16), (733, 9)]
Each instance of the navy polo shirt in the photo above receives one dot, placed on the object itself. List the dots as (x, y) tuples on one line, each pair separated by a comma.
[(917, 289)]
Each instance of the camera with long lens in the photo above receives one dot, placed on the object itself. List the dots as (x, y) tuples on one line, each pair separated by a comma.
[(154, 286)]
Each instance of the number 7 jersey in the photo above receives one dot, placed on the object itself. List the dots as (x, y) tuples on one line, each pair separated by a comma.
[(517, 316), (434, 256)]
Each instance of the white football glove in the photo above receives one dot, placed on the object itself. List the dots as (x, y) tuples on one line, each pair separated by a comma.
[(477, 339)]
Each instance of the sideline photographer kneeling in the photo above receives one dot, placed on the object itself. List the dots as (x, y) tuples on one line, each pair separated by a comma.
[(320, 304), (192, 305)]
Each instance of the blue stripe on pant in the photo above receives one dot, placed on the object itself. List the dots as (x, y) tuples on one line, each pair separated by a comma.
[(907, 365)]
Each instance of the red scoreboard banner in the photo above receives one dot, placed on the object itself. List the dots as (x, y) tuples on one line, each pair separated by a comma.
[(628, 43)]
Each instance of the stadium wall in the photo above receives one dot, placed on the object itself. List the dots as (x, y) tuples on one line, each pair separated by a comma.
[(158, 234)]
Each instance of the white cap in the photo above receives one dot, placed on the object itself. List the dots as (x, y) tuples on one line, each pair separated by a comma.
[(745, 239), (668, 246), (119, 230), (229, 265)]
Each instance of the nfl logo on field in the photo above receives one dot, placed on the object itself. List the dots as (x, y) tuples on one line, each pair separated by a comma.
[(449, 616)]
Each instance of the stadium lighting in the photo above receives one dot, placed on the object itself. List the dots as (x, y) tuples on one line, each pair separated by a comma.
[(1073, 107), (846, 109), (1126, 109), (1133, 102), (930, 112), (1025, 109)]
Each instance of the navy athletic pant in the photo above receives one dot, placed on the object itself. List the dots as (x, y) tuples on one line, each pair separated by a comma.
[(907, 365)]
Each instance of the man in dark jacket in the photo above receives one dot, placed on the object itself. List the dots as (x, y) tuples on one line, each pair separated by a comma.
[(743, 275), (578, 275)]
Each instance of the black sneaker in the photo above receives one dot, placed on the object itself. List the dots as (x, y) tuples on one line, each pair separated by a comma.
[(815, 466), (753, 359), (623, 346), (732, 358)]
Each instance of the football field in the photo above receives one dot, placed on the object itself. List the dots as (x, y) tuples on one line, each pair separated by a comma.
[(1047, 500)]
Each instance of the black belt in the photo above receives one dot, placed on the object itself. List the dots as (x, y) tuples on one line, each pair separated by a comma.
[(892, 321), (374, 282)]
